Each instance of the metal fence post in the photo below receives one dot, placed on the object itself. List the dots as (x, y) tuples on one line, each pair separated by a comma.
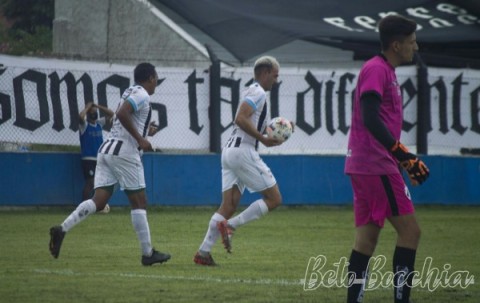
[(214, 107), (423, 106)]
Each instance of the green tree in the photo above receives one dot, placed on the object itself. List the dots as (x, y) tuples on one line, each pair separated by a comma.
[(31, 26), (28, 15)]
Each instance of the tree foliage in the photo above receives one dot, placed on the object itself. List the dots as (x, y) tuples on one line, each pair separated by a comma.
[(28, 15), (29, 26)]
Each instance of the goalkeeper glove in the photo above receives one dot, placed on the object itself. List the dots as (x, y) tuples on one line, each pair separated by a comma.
[(417, 170)]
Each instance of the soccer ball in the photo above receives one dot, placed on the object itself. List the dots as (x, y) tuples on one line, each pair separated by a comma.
[(279, 128)]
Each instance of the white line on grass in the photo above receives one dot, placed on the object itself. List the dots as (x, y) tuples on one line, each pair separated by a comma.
[(262, 281), (280, 282)]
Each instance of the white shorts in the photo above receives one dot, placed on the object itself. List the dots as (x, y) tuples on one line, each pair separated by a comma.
[(242, 166), (114, 169)]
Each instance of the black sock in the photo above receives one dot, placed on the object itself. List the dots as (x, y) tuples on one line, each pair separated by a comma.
[(358, 265), (403, 262)]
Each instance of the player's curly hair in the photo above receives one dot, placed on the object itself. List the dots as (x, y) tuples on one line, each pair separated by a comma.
[(265, 62), (395, 28), (143, 72)]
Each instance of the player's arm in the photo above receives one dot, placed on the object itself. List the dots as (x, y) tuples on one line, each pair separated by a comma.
[(243, 121), (124, 115), (370, 109), (83, 113), (108, 113)]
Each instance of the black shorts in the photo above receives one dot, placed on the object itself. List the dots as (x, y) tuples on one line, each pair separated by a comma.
[(88, 167)]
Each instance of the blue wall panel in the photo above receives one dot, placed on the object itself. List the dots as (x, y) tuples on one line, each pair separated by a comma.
[(39, 178), (453, 180), (56, 179)]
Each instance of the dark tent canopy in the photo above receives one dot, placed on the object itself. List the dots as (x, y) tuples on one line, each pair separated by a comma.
[(449, 33)]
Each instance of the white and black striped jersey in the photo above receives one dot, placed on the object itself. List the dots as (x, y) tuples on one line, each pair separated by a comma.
[(120, 142), (256, 97)]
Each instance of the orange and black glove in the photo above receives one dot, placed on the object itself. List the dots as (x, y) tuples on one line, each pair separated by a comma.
[(417, 170)]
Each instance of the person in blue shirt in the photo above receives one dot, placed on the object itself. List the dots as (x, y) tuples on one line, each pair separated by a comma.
[(90, 129)]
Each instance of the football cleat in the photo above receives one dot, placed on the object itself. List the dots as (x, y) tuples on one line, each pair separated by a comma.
[(56, 239), (156, 257), (226, 231), (204, 260)]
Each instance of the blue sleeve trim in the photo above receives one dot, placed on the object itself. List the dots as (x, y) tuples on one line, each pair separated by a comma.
[(251, 103), (132, 103)]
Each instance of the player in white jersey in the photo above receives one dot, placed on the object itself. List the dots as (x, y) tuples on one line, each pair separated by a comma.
[(242, 166), (119, 161)]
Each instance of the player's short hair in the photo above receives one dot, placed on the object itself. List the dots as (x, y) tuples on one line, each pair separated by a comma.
[(265, 62), (395, 28), (143, 72)]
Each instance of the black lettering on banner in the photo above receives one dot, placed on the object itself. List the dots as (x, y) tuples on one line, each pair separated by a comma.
[(122, 83), (234, 86), (301, 111), (69, 79), (87, 84), (161, 110), (32, 105), (192, 82), (274, 100), (6, 110), (21, 119), (55, 82), (342, 104), (441, 88), (457, 112), (329, 103), (408, 90), (475, 109), (329, 85)]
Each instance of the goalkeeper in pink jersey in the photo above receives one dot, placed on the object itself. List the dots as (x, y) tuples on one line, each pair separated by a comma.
[(376, 157)]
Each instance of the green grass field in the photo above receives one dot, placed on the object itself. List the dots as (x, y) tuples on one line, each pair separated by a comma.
[(100, 258)]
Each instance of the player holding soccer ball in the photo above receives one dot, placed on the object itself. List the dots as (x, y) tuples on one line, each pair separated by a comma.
[(373, 159), (242, 166)]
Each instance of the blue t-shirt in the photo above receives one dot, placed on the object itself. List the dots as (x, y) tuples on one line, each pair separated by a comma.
[(91, 138)]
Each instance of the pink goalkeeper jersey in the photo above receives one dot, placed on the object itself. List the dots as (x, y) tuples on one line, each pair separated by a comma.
[(365, 154)]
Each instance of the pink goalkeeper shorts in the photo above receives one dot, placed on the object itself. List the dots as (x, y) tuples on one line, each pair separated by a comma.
[(376, 198)]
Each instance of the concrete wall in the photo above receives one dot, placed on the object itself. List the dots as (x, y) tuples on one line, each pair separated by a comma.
[(80, 29), (130, 31), (31, 178), (120, 31)]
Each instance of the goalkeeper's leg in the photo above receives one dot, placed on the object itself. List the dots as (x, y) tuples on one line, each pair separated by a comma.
[(408, 236), (366, 238)]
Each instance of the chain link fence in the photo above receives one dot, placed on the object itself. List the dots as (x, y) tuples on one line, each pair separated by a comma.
[(40, 100), (40, 106)]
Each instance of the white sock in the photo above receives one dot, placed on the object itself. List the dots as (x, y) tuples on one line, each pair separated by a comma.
[(212, 233), (140, 224), (255, 211), (82, 211)]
